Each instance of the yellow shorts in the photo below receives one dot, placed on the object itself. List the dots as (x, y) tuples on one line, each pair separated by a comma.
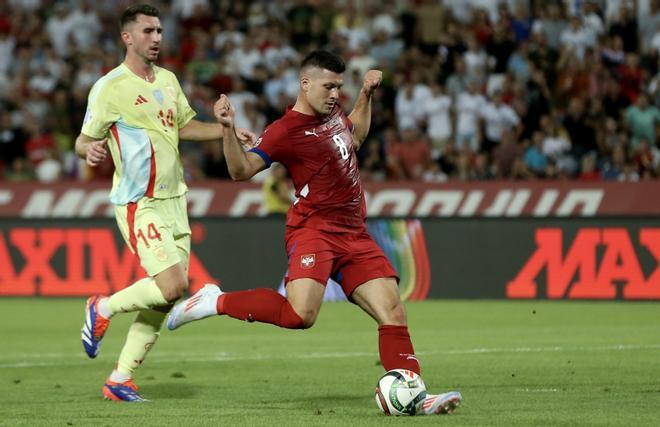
[(157, 230)]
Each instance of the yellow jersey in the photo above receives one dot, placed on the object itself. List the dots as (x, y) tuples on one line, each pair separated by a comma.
[(273, 202), (141, 121)]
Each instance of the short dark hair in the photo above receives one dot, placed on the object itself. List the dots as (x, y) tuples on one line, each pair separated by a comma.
[(130, 14), (324, 60)]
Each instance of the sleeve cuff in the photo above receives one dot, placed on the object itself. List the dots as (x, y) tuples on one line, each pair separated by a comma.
[(263, 155)]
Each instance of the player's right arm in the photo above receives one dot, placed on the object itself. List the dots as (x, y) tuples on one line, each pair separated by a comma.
[(101, 113), (91, 149), (242, 165)]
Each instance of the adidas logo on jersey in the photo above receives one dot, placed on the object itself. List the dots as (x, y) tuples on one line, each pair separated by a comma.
[(140, 100)]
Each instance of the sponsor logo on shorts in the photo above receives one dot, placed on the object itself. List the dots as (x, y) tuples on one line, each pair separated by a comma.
[(307, 261)]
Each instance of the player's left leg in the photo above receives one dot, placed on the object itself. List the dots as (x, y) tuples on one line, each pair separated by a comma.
[(310, 264), (380, 299), (141, 337)]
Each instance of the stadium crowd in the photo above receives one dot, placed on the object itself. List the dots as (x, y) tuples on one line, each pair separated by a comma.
[(472, 90)]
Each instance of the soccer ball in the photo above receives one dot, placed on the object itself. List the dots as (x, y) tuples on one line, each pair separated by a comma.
[(400, 392)]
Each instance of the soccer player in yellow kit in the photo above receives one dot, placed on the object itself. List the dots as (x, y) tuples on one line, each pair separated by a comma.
[(139, 112)]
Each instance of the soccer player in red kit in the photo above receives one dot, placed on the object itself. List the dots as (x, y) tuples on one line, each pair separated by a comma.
[(326, 235)]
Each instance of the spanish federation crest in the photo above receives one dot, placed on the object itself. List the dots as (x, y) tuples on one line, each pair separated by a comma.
[(159, 96)]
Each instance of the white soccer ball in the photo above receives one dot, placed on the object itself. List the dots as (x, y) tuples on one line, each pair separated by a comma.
[(400, 392)]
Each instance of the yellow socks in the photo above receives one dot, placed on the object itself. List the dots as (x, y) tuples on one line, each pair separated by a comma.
[(142, 335)]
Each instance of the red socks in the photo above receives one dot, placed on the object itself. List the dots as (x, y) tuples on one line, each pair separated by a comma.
[(260, 305), (396, 349), (267, 306)]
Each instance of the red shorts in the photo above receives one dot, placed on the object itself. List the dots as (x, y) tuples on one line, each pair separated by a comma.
[(350, 258)]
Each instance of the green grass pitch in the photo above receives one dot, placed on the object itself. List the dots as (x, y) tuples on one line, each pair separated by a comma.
[(516, 363)]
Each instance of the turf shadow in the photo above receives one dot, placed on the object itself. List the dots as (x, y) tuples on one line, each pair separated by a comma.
[(174, 390)]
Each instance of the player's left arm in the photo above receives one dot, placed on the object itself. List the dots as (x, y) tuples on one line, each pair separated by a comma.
[(361, 114), (195, 130)]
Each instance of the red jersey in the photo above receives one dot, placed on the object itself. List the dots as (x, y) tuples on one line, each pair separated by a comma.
[(318, 151)]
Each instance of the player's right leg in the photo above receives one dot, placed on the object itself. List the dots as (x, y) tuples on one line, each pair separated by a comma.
[(310, 264), (297, 311), (144, 294)]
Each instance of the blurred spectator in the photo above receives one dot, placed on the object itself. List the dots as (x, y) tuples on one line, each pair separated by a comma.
[(498, 118), (505, 155), (522, 23), (12, 140), (482, 170), (59, 28), (85, 26), (468, 109), (577, 38), (373, 167), (407, 104), (645, 159), (276, 191), (624, 25), (614, 168), (613, 54), (457, 82), (557, 144), (592, 19), (409, 157), (19, 171), (581, 77), (278, 52), (476, 60), (430, 15), (361, 61), (642, 119), (534, 158), (439, 118), (40, 144), (385, 19), (649, 28), (588, 170), (246, 57), (240, 98), (214, 164), (500, 47), (581, 135), (185, 8), (551, 24)]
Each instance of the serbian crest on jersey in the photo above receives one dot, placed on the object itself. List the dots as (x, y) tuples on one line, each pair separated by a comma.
[(307, 261)]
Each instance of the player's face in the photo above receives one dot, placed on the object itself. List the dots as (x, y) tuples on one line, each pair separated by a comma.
[(144, 36), (322, 89)]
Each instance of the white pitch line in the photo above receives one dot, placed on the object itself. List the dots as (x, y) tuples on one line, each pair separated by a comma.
[(229, 357), (538, 390)]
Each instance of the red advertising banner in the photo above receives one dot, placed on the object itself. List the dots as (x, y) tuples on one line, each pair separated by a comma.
[(579, 273), (527, 258), (94, 262), (483, 199)]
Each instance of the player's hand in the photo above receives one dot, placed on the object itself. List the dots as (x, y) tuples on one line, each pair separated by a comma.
[(96, 152), (246, 137), (372, 80), (224, 111)]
